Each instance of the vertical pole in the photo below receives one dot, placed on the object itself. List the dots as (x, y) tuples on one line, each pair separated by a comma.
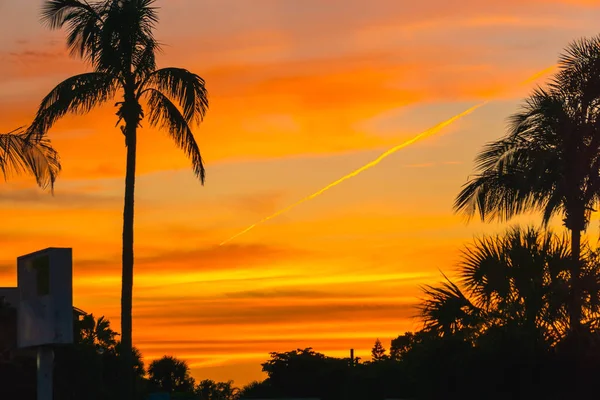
[(350, 375), (45, 366)]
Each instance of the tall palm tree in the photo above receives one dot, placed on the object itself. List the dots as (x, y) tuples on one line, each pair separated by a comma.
[(549, 161), (116, 37), (35, 157)]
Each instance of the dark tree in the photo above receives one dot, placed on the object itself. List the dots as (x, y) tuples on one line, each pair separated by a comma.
[(402, 344), (91, 367), (116, 37), (95, 332), (171, 375), (378, 351), (257, 390), (306, 373), (516, 279), (548, 161), (211, 390)]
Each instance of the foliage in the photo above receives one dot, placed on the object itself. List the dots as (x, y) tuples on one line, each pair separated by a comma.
[(514, 288), (257, 390), (378, 351), (90, 367), (116, 37), (171, 375), (401, 345), (92, 332), (36, 157), (517, 279), (548, 161), (211, 390)]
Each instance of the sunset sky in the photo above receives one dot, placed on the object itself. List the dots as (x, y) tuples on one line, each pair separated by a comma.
[(302, 93)]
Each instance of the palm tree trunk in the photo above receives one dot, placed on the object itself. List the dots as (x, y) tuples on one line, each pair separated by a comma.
[(127, 271), (576, 295)]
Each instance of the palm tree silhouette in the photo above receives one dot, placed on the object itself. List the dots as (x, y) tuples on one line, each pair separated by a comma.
[(35, 157), (447, 311), (517, 279), (549, 160), (116, 38), (95, 332)]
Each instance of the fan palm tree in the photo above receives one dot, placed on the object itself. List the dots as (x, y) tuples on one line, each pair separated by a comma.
[(549, 161), (96, 332), (518, 279), (35, 157), (116, 38), (171, 375), (447, 311)]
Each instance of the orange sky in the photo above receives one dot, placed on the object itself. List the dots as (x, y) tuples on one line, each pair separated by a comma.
[(301, 94)]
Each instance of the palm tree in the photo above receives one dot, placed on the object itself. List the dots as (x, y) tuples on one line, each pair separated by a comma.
[(549, 161), (517, 279), (171, 375), (36, 157), (446, 311), (95, 332), (116, 38)]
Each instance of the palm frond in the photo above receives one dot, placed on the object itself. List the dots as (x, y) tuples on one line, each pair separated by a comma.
[(36, 157), (578, 67), (127, 38), (187, 88), (163, 113), (57, 13), (446, 310), (484, 271), (84, 22), (77, 95), (496, 195), (526, 170), (144, 59)]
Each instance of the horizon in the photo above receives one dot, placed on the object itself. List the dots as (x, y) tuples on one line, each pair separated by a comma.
[(297, 101)]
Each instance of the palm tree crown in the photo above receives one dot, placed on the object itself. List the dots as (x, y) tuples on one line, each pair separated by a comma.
[(516, 279), (549, 161), (116, 38)]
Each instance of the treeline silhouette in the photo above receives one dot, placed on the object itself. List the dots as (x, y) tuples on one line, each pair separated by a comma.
[(502, 332)]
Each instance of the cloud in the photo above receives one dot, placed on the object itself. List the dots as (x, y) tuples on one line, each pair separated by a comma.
[(420, 165), (280, 293), (258, 204), (28, 198), (186, 266), (271, 314), (296, 99), (37, 55)]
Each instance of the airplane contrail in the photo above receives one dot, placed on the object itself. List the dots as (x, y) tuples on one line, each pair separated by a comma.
[(420, 136)]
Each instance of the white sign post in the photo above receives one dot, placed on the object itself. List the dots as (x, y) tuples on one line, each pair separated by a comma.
[(45, 315)]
